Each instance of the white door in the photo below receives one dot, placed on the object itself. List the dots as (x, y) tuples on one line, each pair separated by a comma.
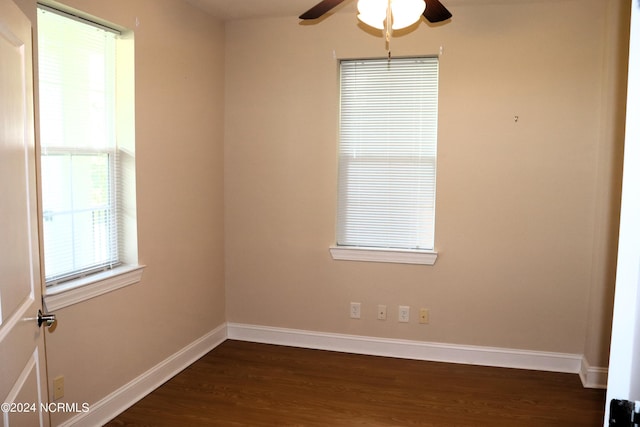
[(624, 361), (23, 384)]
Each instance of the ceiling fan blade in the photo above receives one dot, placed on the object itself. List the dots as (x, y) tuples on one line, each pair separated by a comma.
[(435, 11), (320, 9)]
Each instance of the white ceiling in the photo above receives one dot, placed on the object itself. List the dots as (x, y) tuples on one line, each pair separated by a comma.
[(229, 10), (243, 9)]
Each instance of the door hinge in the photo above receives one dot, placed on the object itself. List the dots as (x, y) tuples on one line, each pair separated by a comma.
[(624, 413)]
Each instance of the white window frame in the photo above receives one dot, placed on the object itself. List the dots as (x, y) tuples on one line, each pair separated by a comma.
[(126, 270), (377, 252)]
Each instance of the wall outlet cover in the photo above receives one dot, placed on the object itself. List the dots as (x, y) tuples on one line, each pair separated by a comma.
[(354, 311), (403, 313), (382, 312), (424, 316)]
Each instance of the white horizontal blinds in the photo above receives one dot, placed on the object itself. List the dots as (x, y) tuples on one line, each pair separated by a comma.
[(78, 162), (387, 155)]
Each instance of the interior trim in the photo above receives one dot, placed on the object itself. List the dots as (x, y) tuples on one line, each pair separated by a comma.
[(123, 398), (85, 288), (419, 350), (352, 253), (593, 377), (126, 396)]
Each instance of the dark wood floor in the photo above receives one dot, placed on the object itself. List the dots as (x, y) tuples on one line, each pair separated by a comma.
[(248, 384)]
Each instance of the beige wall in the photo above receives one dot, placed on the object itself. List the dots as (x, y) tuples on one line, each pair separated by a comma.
[(523, 238), (526, 212), (102, 344), (608, 183)]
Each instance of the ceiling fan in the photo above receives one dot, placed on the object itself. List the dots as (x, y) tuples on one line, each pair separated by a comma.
[(433, 12), (387, 15)]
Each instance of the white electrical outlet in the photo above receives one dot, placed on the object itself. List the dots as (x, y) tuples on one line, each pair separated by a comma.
[(354, 311), (403, 313), (424, 315), (382, 312)]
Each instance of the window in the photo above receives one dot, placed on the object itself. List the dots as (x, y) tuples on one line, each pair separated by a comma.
[(87, 150), (387, 158)]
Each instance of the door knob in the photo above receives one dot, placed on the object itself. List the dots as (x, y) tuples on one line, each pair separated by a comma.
[(47, 319)]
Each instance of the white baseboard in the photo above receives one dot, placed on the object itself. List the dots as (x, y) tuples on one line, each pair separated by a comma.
[(127, 395), (593, 377), (430, 351)]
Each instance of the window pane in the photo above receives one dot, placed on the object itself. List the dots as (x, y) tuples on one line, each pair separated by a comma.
[(387, 156), (77, 62), (78, 224), (77, 82)]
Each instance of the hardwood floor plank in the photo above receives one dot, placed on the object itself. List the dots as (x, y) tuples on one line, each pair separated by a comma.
[(249, 384)]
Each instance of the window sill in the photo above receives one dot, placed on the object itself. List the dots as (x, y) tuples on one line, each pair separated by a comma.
[(79, 290), (351, 253)]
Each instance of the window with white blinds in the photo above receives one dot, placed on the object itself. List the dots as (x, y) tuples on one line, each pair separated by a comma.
[(387, 153), (79, 157)]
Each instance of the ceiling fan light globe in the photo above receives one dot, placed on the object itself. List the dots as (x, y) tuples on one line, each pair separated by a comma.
[(406, 12), (373, 12)]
